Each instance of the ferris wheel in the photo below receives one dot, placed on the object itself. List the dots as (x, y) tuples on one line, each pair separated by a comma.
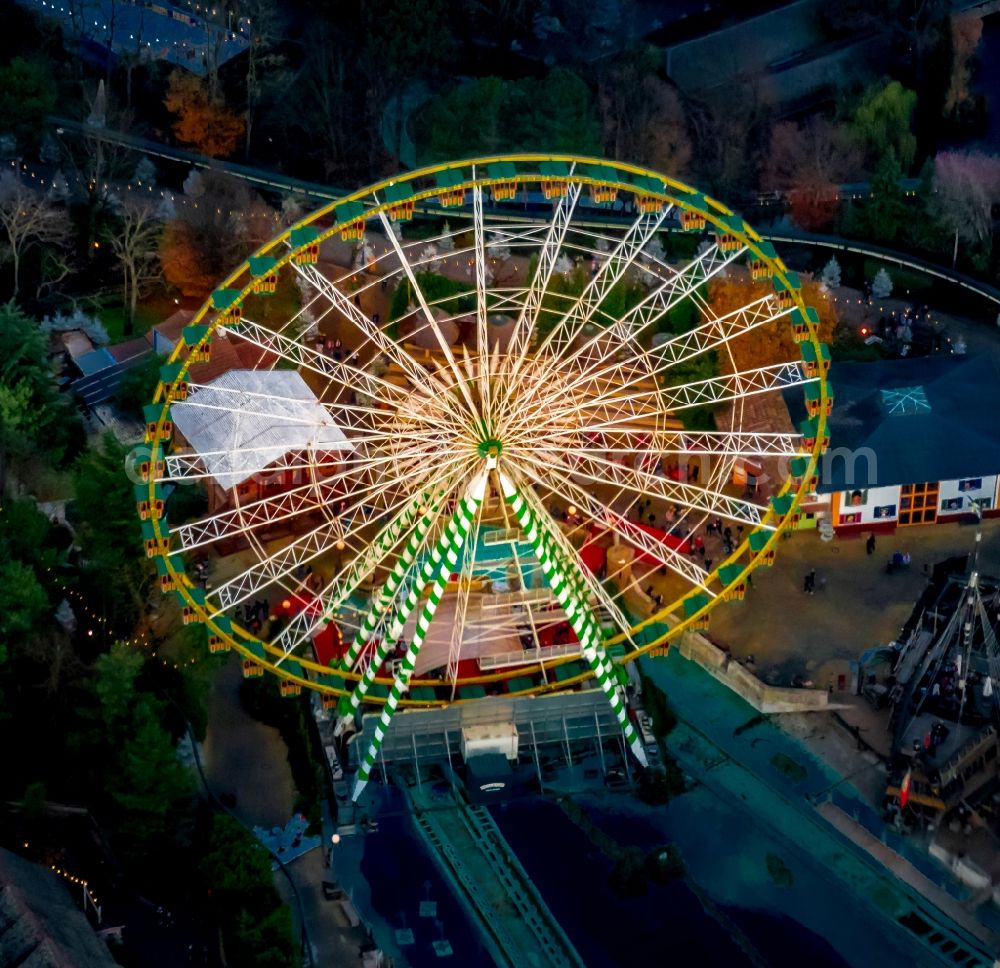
[(499, 441)]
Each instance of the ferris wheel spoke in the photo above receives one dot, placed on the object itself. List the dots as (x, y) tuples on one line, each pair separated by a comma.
[(636, 482), (607, 342), (336, 592), (608, 274), (605, 517), (182, 467), (418, 377), (648, 364), (482, 338), (692, 443), (299, 355), (429, 316), (548, 254), (342, 532), (314, 496)]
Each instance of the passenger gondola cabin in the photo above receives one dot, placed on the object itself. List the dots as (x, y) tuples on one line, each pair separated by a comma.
[(692, 218), (400, 198), (287, 687), (814, 403), (694, 604), (450, 195), (758, 269), (263, 269), (809, 429), (798, 468), (601, 193), (252, 670), (305, 245), (218, 637), (146, 465), (198, 342), (781, 504), (331, 699), (226, 303), (155, 428), (802, 322), (155, 545), (554, 179), (253, 665), (815, 362), (504, 177), (786, 290), (758, 541), (145, 507), (174, 385), (352, 214), (189, 612), (169, 577), (736, 587)]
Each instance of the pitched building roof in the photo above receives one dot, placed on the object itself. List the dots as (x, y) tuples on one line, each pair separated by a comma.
[(928, 419), (244, 420), (40, 926)]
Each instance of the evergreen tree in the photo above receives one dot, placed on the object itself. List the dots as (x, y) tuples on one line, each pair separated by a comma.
[(831, 274), (882, 285)]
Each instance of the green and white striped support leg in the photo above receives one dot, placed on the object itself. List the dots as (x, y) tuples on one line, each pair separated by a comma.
[(392, 583), (446, 565), (583, 624), (427, 571)]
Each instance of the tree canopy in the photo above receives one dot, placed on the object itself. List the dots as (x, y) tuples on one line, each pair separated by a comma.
[(489, 114)]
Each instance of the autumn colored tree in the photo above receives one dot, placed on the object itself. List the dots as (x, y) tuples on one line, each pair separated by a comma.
[(221, 222), (807, 162), (203, 122), (642, 118), (772, 342)]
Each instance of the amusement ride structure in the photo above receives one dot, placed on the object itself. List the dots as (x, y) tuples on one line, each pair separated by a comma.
[(463, 490)]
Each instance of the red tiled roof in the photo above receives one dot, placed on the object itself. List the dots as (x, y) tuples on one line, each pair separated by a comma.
[(123, 352), (170, 328)]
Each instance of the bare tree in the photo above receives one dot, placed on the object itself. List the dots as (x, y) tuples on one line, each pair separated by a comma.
[(136, 245), (265, 24), (966, 187), (28, 219)]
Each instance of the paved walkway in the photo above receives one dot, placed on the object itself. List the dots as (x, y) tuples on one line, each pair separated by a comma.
[(857, 605), (245, 757)]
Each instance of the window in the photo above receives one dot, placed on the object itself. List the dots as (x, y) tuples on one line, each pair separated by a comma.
[(918, 504), (851, 518)]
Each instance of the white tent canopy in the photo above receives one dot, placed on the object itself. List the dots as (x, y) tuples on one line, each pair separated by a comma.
[(245, 420)]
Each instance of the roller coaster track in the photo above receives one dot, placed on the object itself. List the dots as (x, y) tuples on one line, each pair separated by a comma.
[(520, 930), (275, 182)]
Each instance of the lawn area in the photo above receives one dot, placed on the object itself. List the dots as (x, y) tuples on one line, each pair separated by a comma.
[(149, 312)]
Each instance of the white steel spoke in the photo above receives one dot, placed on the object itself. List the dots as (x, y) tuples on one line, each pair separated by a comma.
[(337, 590), (638, 482), (429, 316), (482, 335), (611, 520), (340, 301), (314, 496), (191, 466), (300, 355), (548, 253)]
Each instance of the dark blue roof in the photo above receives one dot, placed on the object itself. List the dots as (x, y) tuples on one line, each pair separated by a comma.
[(934, 418)]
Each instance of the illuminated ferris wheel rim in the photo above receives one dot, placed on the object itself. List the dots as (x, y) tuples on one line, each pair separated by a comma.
[(506, 174)]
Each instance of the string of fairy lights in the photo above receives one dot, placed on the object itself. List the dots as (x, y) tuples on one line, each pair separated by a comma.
[(140, 640)]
